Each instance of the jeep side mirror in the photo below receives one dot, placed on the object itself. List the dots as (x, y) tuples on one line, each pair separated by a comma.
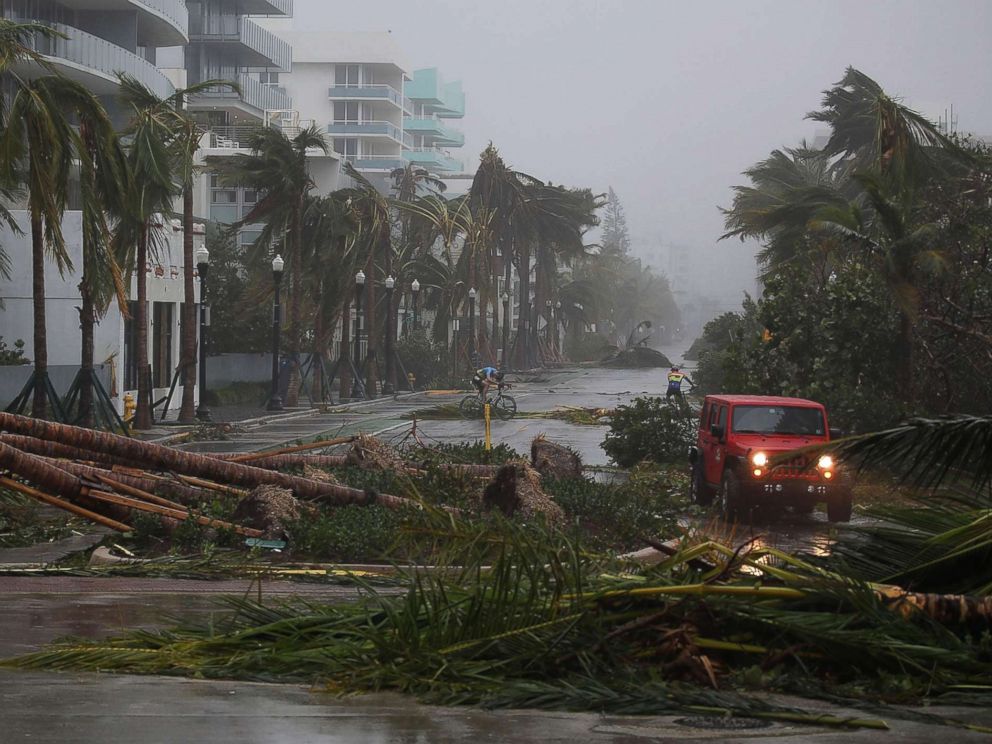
[(836, 433), (716, 431)]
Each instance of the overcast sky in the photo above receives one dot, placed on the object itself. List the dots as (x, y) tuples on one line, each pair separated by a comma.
[(668, 101)]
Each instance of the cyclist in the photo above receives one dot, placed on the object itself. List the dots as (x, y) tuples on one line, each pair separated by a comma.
[(485, 377), (675, 379)]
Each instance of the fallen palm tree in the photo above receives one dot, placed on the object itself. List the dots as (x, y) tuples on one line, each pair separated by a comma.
[(189, 463), (523, 618)]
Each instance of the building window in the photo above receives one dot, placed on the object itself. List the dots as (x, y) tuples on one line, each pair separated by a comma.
[(346, 146), (346, 111), (347, 75), (268, 78), (224, 196)]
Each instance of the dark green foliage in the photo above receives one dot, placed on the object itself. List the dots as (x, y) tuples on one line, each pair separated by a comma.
[(649, 429), (239, 393), (24, 522), (426, 359), (620, 516), (189, 537), (831, 341), (9, 356), (587, 347), (346, 534), (465, 452), (240, 297)]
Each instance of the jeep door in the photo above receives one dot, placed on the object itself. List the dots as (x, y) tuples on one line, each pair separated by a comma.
[(714, 453)]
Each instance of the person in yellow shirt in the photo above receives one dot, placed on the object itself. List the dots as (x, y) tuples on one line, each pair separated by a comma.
[(675, 379)]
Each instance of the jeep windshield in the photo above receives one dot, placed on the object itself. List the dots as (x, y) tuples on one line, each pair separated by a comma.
[(778, 420)]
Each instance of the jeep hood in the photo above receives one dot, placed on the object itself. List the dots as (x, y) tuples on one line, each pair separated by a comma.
[(774, 443)]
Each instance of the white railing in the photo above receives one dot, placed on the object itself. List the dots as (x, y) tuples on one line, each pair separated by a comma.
[(174, 10), (92, 52)]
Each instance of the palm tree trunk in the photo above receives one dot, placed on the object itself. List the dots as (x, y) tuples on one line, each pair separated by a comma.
[(295, 299), (187, 333), (522, 360), (143, 413), (371, 358), (39, 403), (344, 363), (316, 369), (904, 356), (87, 320)]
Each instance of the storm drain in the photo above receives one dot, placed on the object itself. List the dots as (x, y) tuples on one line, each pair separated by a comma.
[(722, 723)]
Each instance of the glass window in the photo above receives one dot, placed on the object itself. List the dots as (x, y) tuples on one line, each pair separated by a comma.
[(778, 420), (722, 420), (250, 196), (346, 75), (224, 196), (347, 146), (346, 111)]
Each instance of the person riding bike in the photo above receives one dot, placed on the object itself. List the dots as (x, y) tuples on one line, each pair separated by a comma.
[(675, 379), (485, 377)]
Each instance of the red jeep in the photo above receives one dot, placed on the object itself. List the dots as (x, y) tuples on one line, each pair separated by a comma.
[(738, 436)]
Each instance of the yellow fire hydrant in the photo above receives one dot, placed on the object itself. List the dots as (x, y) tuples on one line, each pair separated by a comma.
[(411, 379), (130, 406)]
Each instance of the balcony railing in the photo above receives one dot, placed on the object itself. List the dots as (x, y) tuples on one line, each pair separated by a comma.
[(265, 49), (370, 92), (434, 127), (371, 129), (100, 57), (375, 162), (173, 10), (267, 7), (253, 93), (434, 157)]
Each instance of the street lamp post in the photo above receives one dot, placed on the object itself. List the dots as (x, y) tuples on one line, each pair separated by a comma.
[(202, 266), (547, 304), (275, 400), (506, 327), (557, 324), (356, 389), (471, 325), (390, 384), (415, 288)]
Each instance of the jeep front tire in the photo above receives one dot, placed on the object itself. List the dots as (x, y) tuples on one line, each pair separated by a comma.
[(730, 495)]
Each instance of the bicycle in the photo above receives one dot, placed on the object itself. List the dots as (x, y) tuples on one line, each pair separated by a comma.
[(502, 406)]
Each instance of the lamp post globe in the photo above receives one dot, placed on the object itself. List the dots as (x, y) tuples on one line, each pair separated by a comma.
[(275, 400), (202, 258)]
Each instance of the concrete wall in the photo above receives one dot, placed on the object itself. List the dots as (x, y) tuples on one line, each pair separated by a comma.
[(223, 369)]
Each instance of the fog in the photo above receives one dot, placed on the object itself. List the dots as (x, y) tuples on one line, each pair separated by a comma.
[(669, 101)]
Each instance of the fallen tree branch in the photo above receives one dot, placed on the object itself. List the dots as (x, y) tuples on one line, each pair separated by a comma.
[(64, 505)]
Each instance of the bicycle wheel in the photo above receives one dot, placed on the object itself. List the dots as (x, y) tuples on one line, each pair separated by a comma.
[(470, 407), (505, 407)]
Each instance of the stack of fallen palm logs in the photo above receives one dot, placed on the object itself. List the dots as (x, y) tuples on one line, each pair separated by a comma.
[(108, 478)]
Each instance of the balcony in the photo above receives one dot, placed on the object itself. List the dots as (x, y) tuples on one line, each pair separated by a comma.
[(254, 45), (434, 129), (267, 7), (433, 158), (376, 162), (385, 93), (95, 62), (382, 129), (442, 99), (160, 22), (255, 97)]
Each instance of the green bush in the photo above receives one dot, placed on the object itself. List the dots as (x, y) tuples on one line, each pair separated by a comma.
[(649, 429), (9, 356), (588, 347), (347, 533), (426, 359)]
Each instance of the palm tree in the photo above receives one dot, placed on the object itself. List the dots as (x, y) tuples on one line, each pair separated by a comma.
[(151, 166), (185, 143), (16, 46), (860, 191), (39, 136), (277, 168), (103, 188)]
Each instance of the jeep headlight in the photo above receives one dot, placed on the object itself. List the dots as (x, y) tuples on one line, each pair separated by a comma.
[(826, 462), (759, 459)]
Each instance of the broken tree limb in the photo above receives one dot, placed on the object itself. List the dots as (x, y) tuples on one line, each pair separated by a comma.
[(278, 462), (178, 514), (189, 463), (64, 505), (252, 456), (179, 491)]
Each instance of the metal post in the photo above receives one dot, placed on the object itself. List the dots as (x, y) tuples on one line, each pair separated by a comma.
[(275, 400), (506, 329), (471, 326), (356, 390), (203, 265), (415, 288), (389, 386)]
